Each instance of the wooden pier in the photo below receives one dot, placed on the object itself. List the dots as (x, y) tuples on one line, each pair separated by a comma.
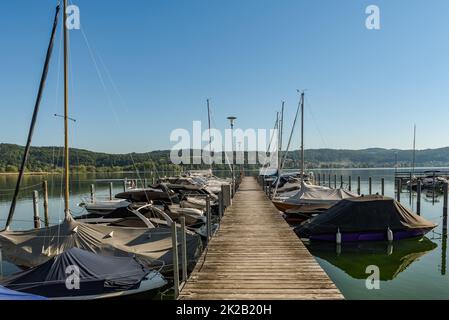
[(255, 255)]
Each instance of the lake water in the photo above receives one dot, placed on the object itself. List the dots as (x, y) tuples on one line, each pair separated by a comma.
[(409, 269)]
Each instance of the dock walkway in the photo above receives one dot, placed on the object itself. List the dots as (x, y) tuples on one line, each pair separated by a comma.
[(255, 255)]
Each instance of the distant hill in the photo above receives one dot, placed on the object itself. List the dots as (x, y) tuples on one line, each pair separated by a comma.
[(50, 159)]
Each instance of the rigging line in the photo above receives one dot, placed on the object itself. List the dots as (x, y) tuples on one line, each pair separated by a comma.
[(309, 109), (288, 144), (92, 56)]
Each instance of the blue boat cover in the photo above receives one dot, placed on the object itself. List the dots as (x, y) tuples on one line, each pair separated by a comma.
[(77, 272), (6, 294)]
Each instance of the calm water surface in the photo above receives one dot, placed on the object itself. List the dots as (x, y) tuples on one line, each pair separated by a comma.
[(409, 269)]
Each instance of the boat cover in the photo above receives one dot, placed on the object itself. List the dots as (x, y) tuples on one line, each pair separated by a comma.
[(368, 213), (153, 245), (7, 294), (97, 275), (308, 193)]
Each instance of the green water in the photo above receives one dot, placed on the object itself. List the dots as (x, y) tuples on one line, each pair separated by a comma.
[(409, 269)]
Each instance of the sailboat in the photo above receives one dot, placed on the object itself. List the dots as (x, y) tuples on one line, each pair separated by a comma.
[(151, 244), (309, 199)]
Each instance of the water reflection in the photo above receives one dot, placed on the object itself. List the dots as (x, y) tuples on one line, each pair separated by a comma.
[(392, 259)]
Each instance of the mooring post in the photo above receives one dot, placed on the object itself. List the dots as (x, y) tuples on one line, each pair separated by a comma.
[(335, 181), (382, 186), (341, 182), (359, 191), (399, 186), (221, 203), (183, 249), (1, 263), (124, 185), (418, 197), (445, 200), (208, 217), (174, 238), (330, 186), (319, 179), (350, 183), (45, 191), (111, 190), (370, 184), (92, 193), (37, 221)]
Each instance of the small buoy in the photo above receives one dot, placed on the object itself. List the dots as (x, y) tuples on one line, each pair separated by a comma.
[(338, 237), (390, 235)]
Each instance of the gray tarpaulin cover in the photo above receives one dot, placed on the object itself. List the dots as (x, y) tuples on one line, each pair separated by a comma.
[(317, 194), (34, 247), (369, 213), (97, 275)]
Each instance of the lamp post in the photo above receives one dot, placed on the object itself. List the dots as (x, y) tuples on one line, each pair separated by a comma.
[(231, 122)]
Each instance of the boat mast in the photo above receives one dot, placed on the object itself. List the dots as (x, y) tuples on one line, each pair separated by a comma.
[(281, 130), (34, 119), (302, 136), (414, 150), (66, 118), (210, 136)]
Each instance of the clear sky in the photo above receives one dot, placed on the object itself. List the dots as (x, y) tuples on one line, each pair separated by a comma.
[(160, 60)]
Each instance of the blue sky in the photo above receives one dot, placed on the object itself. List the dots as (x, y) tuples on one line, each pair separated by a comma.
[(365, 88)]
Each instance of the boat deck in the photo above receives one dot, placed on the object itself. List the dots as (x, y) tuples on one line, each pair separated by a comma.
[(256, 255)]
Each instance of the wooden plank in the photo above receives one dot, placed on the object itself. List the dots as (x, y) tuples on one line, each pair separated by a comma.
[(255, 255)]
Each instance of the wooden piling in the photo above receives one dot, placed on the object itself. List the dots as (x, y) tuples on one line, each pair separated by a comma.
[(319, 179), (418, 197), (183, 249), (341, 182), (36, 219), (111, 190), (382, 186), (370, 185), (350, 183), (45, 191), (92, 193), (124, 185), (399, 189), (208, 217), (445, 203), (175, 259), (221, 203), (359, 191), (330, 186), (335, 181)]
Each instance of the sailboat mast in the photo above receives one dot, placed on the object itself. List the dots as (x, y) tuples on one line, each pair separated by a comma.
[(210, 136), (414, 149), (281, 129), (302, 135), (66, 117)]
